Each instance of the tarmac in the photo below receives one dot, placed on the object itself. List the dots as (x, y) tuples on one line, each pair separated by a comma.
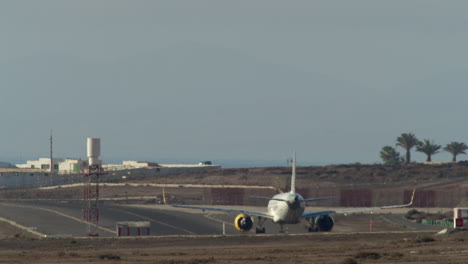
[(51, 218)]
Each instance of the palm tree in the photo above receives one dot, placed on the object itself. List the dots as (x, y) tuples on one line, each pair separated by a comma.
[(407, 141), (429, 148), (456, 148), (390, 156)]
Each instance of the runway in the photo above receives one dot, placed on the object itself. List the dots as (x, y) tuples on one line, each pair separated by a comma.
[(64, 218)]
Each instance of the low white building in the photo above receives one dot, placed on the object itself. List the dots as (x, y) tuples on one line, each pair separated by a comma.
[(60, 165), (76, 165)]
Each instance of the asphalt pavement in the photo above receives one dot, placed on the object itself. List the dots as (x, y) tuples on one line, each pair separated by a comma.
[(64, 218)]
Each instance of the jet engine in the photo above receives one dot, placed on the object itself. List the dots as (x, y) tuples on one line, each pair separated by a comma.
[(324, 223), (243, 222)]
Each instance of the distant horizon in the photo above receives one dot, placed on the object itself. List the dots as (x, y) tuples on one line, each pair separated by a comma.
[(224, 163)]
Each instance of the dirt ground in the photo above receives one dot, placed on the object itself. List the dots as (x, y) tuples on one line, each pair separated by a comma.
[(307, 248), (375, 247)]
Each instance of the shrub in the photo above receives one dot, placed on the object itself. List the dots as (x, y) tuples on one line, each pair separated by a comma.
[(202, 261), (367, 255), (424, 239), (349, 261), (109, 256), (412, 214), (393, 255)]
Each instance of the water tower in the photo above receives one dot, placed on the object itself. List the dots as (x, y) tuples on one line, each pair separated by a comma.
[(94, 151)]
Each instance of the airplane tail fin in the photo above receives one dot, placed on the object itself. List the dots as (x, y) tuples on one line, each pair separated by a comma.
[(293, 176)]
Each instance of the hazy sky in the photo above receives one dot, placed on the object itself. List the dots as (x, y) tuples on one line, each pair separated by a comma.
[(230, 80)]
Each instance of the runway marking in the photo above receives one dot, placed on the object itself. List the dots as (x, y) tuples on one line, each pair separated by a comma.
[(152, 220), (210, 216), (13, 223), (61, 214)]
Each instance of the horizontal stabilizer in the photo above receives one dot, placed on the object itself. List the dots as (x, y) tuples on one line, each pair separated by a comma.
[(267, 198), (305, 200), (318, 198)]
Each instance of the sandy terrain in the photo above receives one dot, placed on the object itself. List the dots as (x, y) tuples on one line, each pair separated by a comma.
[(308, 248)]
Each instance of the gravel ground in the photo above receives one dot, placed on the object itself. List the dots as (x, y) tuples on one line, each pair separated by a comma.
[(384, 247)]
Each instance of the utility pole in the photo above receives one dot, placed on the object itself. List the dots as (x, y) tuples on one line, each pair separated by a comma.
[(51, 157)]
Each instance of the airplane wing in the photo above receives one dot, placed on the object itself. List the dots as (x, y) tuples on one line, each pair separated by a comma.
[(315, 214), (355, 210), (225, 210)]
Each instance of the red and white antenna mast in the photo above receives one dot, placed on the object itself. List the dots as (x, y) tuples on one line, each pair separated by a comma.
[(91, 178)]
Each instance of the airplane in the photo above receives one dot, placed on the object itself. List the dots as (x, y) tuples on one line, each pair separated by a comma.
[(288, 208)]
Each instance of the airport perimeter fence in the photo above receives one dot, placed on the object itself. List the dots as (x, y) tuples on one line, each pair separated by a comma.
[(347, 197), (388, 184)]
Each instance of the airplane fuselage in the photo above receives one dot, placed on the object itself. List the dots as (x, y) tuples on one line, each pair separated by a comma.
[(288, 210)]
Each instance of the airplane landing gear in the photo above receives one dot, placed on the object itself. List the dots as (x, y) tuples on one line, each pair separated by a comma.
[(281, 229), (312, 227), (260, 229)]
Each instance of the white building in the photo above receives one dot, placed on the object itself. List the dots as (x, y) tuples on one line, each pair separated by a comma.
[(76, 165), (60, 165)]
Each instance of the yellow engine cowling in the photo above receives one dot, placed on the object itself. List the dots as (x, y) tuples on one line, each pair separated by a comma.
[(243, 222)]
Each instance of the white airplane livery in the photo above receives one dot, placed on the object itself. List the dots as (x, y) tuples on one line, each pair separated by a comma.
[(289, 208)]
